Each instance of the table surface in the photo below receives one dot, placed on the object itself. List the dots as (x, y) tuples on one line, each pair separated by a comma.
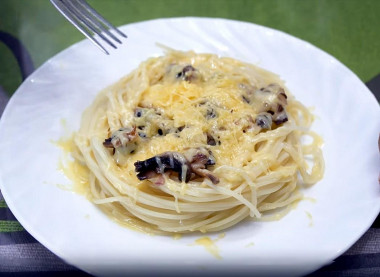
[(33, 31)]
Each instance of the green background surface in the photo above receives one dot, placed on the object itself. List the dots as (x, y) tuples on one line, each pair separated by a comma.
[(347, 29)]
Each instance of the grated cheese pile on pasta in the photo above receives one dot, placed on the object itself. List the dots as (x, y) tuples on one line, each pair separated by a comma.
[(195, 142)]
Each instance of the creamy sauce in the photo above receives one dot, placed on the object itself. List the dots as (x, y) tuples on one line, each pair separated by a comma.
[(310, 217), (210, 245), (220, 236), (66, 144), (249, 245), (177, 236), (77, 173)]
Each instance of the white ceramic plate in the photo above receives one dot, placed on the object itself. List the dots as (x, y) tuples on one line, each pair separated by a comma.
[(348, 118)]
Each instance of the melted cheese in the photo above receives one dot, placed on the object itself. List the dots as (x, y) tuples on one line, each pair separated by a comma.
[(186, 104)]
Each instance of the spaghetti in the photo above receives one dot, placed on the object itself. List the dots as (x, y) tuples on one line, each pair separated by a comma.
[(195, 142)]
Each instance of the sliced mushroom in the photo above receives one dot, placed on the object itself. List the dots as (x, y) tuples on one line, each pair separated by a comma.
[(188, 73), (273, 100), (155, 178), (193, 162), (264, 120), (248, 91), (267, 100), (211, 140), (208, 108), (211, 113), (280, 115), (121, 138), (159, 164), (199, 159), (279, 118)]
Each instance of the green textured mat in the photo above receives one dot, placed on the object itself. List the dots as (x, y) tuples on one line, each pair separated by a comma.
[(3, 204), (10, 226)]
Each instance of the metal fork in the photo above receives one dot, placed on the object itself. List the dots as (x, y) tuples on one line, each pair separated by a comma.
[(89, 22)]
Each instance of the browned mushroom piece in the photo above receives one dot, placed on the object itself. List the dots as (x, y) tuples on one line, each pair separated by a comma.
[(199, 159), (193, 161), (264, 120), (159, 164), (155, 178), (208, 108), (273, 100), (188, 73), (248, 92), (269, 101), (211, 140), (123, 138)]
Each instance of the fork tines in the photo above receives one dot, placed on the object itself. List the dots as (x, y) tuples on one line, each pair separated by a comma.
[(89, 22)]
